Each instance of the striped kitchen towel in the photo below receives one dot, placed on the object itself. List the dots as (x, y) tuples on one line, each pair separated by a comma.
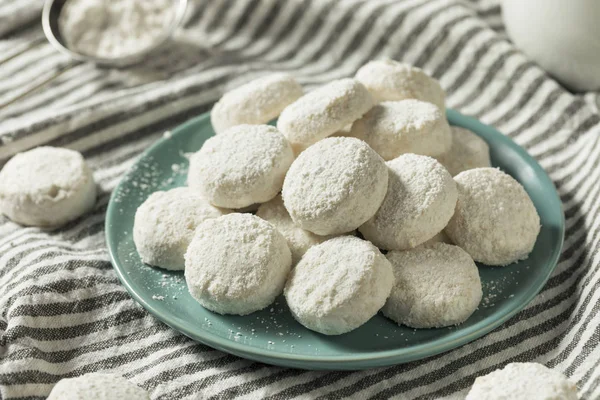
[(63, 310)]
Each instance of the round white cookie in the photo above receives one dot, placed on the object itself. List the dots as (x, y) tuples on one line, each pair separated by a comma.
[(392, 80), (523, 381), (495, 220), (299, 240), (420, 200), (242, 166), (323, 112), (338, 285), (335, 185), (393, 128), (468, 151), (435, 286), (256, 102), (236, 264), (98, 387), (165, 223), (46, 187)]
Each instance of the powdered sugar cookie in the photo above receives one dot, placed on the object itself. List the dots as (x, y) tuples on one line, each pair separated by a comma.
[(391, 80), (419, 202), (338, 285), (495, 220), (236, 264), (435, 286), (335, 186), (468, 151), (98, 387), (323, 112), (46, 186), (256, 102), (523, 381), (165, 223), (299, 240), (242, 166), (393, 128)]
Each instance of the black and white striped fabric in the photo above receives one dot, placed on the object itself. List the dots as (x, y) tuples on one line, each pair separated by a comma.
[(64, 312)]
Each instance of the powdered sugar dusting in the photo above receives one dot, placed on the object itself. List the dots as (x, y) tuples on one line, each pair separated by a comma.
[(338, 285), (335, 186), (241, 167), (393, 128), (391, 80), (495, 220), (323, 112), (434, 286), (236, 264), (256, 102), (419, 202)]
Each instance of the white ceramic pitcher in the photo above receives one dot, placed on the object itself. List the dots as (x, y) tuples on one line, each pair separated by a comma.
[(562, 36)]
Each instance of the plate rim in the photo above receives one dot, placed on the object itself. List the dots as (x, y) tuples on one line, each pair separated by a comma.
[(373, 358)]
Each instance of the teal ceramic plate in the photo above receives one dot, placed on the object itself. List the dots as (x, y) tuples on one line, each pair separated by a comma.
[(272, 335)]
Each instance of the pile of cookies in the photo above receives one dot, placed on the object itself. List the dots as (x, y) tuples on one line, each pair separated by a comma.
[(353, 169)]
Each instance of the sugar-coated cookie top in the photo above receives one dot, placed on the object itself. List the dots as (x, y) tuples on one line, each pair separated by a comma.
[(337, 178), (242, 166), (468, 151), (393, 128), (235, 256), (523, 381), (324, 111), (423, 180), (338, 266), (243, 152), (420, 200), (435, 286), (46, 186), (339, 285), (50, 172), (256, 102), (98, 387), (495, 220), (392, 80), (170, 211)]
